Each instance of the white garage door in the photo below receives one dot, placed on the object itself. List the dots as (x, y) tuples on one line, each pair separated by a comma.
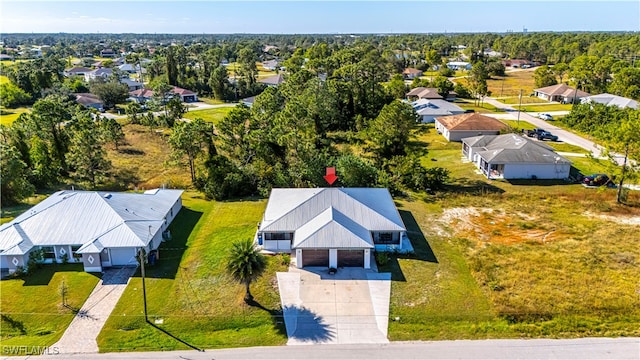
[(123, 256)]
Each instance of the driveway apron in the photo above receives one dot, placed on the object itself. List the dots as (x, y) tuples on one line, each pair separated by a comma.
[(350, 307)]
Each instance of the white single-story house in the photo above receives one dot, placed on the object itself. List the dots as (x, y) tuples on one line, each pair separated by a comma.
[(90, 100), (271, 65), (129, 68), (274, 80), (561, 93), (511, 156), (132, 84), (611, 100), (332, 227), (143, 95), (459, 65), (76, 71), (97, 229), (411, 73), (457, 127), (429, 109), (423, 93), (98, 73)]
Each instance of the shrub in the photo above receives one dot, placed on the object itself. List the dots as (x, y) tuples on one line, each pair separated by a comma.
[(382, 258), (285, 259)]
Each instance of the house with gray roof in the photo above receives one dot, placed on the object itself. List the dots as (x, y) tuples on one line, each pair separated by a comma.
[(274, 80), (97, 229), (332, 227), (430, 109), (512, 156), (611, 100)]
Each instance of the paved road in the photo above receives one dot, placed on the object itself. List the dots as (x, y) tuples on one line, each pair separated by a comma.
[(563, 135), (587, 348)]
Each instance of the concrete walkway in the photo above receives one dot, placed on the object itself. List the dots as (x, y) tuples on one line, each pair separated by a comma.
[(80, 336), (350, 307)]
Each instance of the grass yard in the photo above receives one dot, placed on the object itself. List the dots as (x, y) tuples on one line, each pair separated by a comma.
[(210, 101), (525, 100), (143, 162), (545, 108), (510, 85), (517, 261), (32, 310), (514, 259), (4, 79), (519, 124), (190, 291), (588, 166), (565, 147), (209, 115), (484, 107), (441, 152), (8, 116)]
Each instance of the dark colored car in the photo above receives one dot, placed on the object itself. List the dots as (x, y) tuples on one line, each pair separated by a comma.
[(596, 180)]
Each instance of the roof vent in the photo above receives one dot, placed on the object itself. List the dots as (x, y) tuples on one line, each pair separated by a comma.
[(107, 196)]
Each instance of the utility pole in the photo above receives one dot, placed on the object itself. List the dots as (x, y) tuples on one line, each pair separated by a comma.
[(519, 108), (144, 289)]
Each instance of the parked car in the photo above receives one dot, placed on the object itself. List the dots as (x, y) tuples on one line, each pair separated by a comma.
[(545, 116), (541, 134), (597, 180)]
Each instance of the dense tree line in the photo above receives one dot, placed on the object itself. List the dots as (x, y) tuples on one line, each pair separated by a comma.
[(57, 142)]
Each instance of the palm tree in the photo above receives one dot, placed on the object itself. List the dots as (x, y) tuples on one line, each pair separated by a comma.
[(246, 264)]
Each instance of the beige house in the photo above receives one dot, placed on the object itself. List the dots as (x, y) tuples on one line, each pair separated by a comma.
[(457, 127), (560, 93)]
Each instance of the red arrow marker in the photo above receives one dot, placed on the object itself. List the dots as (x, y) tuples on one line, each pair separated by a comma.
[(331, 175)]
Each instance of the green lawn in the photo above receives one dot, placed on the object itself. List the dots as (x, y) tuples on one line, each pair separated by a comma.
[(208, 115), (515, 100), (564, 147), (8, 116), (588, 166), (32, 310), (191, 292), (210, 101), (4, 79), (519, 124), (545, 108), (483, 108)]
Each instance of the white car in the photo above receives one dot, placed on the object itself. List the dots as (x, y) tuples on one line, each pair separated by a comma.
[(545, 116)]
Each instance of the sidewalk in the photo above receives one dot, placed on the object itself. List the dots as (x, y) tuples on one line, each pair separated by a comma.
[(80, 336)]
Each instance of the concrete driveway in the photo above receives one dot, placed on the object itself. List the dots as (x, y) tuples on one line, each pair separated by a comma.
[(350, 307)]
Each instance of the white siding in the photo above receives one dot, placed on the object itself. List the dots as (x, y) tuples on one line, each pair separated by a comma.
[(541, 171)]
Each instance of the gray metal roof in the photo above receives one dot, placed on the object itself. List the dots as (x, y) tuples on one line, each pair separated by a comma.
[(83, 217), (332, 229), (610, 99), (371, 208), (513, 148), (436, 107)]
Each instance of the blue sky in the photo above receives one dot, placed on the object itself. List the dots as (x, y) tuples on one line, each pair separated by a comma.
[(316, 16)]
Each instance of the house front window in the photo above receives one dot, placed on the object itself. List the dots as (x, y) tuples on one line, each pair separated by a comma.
[(386, 238), (74, 251), (48, 252), (277, 236)]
